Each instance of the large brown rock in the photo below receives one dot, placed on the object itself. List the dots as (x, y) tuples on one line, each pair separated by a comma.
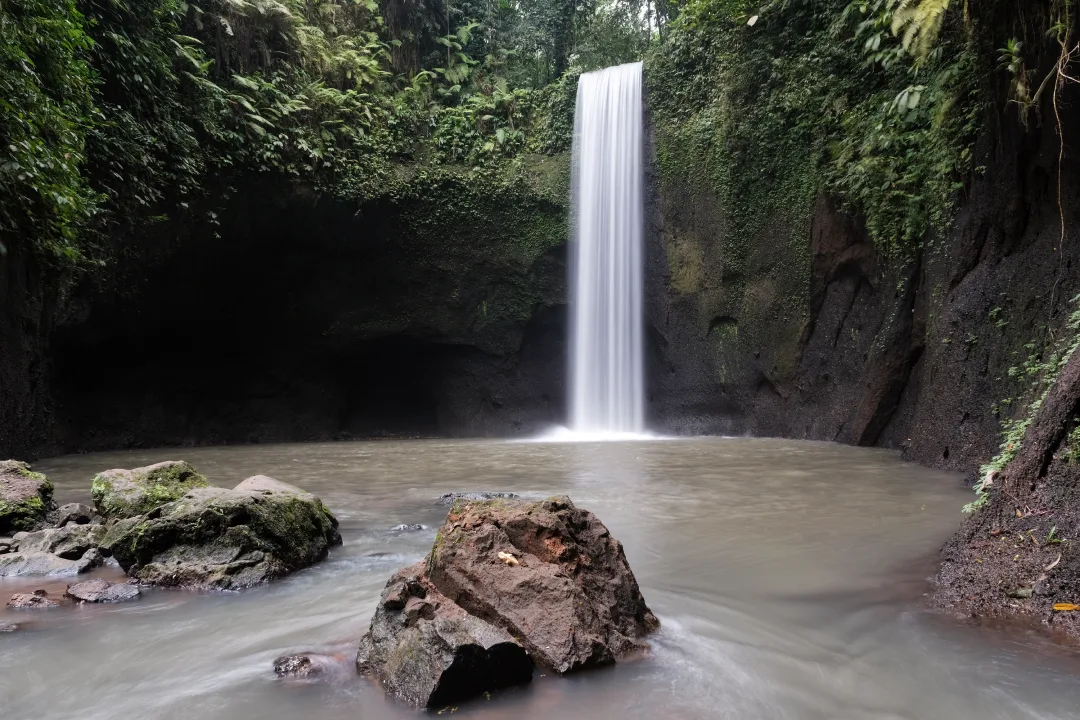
[(26, 498), (505, 577), (428, 651), (562, 584)]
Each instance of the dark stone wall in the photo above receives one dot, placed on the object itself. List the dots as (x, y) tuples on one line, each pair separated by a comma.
[(913, 357), (301, 319)]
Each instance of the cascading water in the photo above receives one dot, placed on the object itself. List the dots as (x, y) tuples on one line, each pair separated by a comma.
[(607, 385)]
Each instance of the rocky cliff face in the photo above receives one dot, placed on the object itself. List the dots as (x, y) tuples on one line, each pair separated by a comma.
[(435, 311), (811, 335)]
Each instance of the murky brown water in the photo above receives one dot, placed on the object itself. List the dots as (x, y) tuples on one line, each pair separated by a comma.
[(787, 575)]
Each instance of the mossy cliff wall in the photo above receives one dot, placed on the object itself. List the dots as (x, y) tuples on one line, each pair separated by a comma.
[(798, 327)]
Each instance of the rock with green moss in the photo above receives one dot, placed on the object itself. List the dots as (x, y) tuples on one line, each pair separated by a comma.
[(26, 498), (214, 538), (120, 494)]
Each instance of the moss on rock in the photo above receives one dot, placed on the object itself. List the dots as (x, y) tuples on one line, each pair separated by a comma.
[(126, 493), (26, 497), (212, 537)]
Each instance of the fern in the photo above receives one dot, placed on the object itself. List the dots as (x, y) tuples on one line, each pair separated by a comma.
[(917, 23)]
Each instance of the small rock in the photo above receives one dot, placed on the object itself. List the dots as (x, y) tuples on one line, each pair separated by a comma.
[(101, 591), (76, 514), (8, 627), (408, 527), (296, 666), (34, 600), (449, 498)]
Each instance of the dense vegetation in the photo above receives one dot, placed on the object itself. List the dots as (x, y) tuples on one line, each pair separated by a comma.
[(122, 114)]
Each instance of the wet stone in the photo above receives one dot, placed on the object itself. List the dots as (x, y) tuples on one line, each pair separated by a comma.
[(102, 591), (38, 599), (76, 514), (408, 527), (449, 498), (296, 666), (31, 564)]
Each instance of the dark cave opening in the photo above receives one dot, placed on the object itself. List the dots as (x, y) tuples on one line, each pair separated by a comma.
[(312, 322)]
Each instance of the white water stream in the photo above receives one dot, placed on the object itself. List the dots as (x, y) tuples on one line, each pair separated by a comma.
[(607, 385)]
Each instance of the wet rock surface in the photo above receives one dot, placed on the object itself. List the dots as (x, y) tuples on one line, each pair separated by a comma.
[(102, 591), (508, 582), (408, 527), (216, 538), (39, 599), (550, 574), (77, 514), (427, 651), (28, 564), (122, 494), (450, 498), (26, 498), (297, 666), (69, 542)]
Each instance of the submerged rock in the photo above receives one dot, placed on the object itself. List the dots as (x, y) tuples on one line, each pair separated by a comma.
[(550, 574), (26, 497), (122, 494), (225, 539), (450, 498), (102, 591), (296, 666), (69, 542), (428, 651), (504, 578), (408, 527), (77, 514), (39, 599), (27, 564), (8, 627)]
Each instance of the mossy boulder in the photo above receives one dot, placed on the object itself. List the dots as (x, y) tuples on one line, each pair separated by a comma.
[(214, 538), (26, 498), (120, 494)]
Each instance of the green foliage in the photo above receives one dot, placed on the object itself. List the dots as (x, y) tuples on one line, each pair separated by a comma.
[(823, 96), (46, 100), (124, 116), (1040, 371)]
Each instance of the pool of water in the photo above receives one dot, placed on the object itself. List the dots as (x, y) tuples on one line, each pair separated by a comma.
[(789, 578)]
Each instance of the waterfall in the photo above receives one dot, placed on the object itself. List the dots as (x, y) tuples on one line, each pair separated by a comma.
[(607, 384)]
